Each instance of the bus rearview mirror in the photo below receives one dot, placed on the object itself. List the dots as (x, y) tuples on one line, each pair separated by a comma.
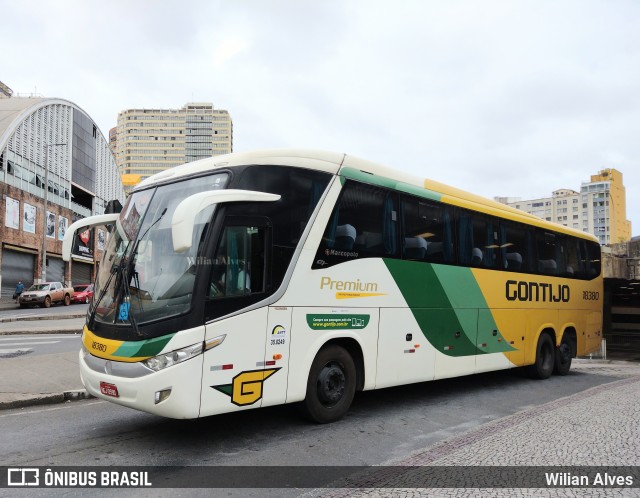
[(185, 214)]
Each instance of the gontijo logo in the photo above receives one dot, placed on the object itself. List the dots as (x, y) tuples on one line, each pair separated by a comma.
[(247, 386), (350, 288)]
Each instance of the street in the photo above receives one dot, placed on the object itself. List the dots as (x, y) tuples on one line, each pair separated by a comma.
[(38, 344)]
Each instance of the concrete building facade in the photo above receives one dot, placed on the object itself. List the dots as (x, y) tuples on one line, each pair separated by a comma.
[(148, 141), (51, 142), (599, 208)]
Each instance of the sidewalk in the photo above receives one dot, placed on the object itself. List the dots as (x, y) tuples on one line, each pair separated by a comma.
[(8, 304), (71, 312), (584, 434), (49, 378), (38, 380)]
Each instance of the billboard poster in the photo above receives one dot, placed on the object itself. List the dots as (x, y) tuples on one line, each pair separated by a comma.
[(62, 227), (51, 225), (83, 245), (12, 213), (29, 224), (133, 217), (101, 239)]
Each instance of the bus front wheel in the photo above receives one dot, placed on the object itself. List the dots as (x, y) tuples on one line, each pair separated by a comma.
[(331, 385), (545, 358)]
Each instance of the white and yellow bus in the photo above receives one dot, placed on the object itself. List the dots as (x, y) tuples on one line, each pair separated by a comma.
[(285, 276)]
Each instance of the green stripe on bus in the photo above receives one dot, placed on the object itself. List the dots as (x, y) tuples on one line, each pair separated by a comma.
[(445, 301), (380, 181), (463, 291), (149, 347)]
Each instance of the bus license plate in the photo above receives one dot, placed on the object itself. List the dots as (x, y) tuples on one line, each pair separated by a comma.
[(109, 389)]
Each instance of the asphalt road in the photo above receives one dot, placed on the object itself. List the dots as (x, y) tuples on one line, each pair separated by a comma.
[(38, 344)]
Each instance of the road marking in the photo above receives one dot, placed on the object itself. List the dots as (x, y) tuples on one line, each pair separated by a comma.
[(14, 351), (37, 337), (30, 343)]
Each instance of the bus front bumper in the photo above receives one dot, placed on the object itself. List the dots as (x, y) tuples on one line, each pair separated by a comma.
[(173, 392)]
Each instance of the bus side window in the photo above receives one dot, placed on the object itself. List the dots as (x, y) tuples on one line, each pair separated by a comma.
[(478, 240), (515, 247), (573, 265), (364, 224), (238, 267), (549, 250), (594, 264), (428, 231)]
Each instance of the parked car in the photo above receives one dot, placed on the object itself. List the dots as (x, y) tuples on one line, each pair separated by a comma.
[(46, 294), (82, 293)]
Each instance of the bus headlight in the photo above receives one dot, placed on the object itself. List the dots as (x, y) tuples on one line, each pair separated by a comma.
[(165, 360)]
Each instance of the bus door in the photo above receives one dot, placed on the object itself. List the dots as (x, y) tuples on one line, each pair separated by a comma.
[(234, 371), (276, 358)]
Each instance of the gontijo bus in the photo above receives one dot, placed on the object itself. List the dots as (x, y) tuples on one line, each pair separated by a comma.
[(284, 276)]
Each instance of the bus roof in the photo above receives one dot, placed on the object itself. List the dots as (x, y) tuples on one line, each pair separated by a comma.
[(303, 158), (363, 170)]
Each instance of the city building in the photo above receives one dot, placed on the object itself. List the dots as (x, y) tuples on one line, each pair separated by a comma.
[(51, 142), (148, 141), (599, 208), (112, 140)]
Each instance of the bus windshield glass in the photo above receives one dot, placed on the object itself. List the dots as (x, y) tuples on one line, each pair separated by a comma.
[(141, 277)]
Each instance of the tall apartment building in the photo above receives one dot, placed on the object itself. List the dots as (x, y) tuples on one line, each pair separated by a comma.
[(148, 141), (599, 208)]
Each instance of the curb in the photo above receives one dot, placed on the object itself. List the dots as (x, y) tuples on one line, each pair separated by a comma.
[(43, 317), (42, 332), (45, 399)]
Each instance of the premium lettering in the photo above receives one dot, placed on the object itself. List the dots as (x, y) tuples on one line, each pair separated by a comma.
[(536, 292), (346, 285)]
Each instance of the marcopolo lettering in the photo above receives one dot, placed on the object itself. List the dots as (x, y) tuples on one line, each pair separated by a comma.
[(536, 291)]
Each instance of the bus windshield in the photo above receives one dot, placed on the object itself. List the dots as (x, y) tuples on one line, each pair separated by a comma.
[(141, 278)]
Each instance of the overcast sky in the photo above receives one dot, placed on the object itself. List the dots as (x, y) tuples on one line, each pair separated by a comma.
[(510, 98)]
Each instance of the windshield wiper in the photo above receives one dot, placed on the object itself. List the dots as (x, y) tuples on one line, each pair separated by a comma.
[(92, 312), (124, 308)]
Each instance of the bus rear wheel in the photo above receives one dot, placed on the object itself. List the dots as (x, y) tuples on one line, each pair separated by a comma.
[(564, 354), (331, 385), (545, 358)]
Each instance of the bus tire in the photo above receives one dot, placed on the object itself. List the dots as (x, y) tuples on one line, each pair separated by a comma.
[(331, 385), (545, 358), (562, 363)]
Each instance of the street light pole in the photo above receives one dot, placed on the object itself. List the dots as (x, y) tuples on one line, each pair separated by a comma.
[(43, 274)]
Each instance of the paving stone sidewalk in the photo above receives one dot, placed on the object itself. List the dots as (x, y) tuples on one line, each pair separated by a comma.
[(597, 427)]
